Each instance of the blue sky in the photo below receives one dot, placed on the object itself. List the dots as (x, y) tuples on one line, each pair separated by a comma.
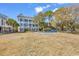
[(28, 9)]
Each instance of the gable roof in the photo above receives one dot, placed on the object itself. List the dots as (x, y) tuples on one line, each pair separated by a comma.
[(3, 16)]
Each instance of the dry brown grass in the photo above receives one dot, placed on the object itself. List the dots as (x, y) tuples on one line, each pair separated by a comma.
[(39, 44)]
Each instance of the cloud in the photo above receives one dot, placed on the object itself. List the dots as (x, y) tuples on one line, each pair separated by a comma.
[(47, 6), (58, 4), (41, 8), (61, 3), (55, 9), (38, 9)]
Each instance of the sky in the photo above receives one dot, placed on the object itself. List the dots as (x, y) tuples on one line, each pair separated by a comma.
[(28, 9)]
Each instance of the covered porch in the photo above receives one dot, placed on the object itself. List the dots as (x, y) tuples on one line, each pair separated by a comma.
[(6, 29)]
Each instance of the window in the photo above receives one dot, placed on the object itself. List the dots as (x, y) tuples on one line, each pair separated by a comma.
[(2, 22), (30, 25), (26, 20), (25, 24), (33, 25), (20, 19), (30, 20)]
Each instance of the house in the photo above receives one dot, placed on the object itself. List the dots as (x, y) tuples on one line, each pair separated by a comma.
[(26, 22), (4, 27)]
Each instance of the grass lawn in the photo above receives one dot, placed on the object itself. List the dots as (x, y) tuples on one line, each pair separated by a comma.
[(32, 43)]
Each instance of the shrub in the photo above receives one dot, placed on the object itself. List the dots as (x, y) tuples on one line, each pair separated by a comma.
[(26, 30)]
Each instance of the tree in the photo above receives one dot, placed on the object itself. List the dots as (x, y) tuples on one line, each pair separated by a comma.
[(40, 19), (49, 15), (65, 19), (13, 23)]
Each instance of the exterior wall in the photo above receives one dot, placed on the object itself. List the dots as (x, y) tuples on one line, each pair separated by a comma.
[(27, 23), (3, 25), (2, 22)]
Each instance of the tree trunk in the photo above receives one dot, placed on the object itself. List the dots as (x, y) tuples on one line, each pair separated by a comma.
[(62, 27), (73, 29), (49, 22)]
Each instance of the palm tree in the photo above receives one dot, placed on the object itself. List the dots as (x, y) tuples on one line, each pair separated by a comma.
[(49, 15), (13, 23)]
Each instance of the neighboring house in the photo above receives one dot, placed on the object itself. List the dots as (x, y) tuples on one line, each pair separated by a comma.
[(26, 22), (4, 27)]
